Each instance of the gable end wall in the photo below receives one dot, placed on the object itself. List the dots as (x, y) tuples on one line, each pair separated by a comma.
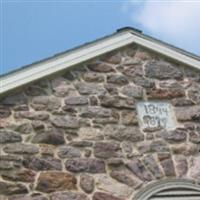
[(76, 136)]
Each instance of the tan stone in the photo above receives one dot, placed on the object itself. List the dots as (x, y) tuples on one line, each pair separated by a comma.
[(87, 133), (56, 181), (194, 170), (107, 184)]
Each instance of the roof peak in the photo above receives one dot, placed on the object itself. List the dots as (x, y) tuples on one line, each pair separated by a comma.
[(70, 58), (129, 28)]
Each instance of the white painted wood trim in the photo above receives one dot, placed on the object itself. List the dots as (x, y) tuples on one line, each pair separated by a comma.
[(53, 65), (167, 51), (40, 70)]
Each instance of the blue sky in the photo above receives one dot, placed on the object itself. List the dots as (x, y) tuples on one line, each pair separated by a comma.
[(34, 30)]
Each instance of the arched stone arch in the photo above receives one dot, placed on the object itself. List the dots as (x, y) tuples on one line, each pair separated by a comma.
[(171, 189)]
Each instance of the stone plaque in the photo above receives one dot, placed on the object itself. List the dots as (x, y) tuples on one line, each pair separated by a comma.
[(156, 115)]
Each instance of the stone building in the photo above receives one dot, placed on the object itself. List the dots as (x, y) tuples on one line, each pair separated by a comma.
[(115, 119)]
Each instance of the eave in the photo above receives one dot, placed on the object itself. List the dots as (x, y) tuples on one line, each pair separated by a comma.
[(79, 55)]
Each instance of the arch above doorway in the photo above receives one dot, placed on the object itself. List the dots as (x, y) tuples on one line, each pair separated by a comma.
[(170, 190)]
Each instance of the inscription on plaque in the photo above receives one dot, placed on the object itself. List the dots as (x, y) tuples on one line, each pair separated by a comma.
[(156, 115)]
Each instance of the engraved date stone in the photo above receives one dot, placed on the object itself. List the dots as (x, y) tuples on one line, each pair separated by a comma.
[(156, 115)]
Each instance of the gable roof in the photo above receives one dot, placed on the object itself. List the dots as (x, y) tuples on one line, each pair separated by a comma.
[(67, 59)]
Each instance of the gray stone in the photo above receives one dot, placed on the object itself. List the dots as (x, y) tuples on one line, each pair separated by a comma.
[(144, 82), (81, 143), (60, 87), (38, 125), (49, 103), (90, 88), (6, 165), (122, 133), (85, 165), (117, 79), (68, 110), (21, 107), (115, 162), (7, 136), (175, 136), (17, 99), (131, 50), (181, 165), (129, 117), (194, 137), (182, 101), (93, 101), (14, 158), (53, 136), (24, 128), (103, 121), (4, 111), (133, 71), (152, 166), (26, 197), (127, 147), (107, 150), (23, 175), (144, 147), (87, 183), (87, 153), (194, 93), (95, 111), (68, 152), (104, 196), (143, 55), (65, 122), (113, 58), (139, 170), (59, 81), (20, 148), (133, 91), (12, 188), (35, 90), (100, 67), (162, 70), (32, 115), (187, 113), (93, 77), (42, 164), (187, 150), (159, 146), (192, 73), (68, 196), (167, 164), (117, 102), (111, 88), (76, 100)]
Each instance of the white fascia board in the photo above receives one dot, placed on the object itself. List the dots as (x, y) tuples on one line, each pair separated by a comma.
[(41, 70), (37, 71), (162, 49)]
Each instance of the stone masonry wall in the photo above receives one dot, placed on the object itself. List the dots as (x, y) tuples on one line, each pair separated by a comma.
[(76, 136)]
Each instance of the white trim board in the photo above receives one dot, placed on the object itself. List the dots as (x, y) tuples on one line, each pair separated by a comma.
[(82, 54)]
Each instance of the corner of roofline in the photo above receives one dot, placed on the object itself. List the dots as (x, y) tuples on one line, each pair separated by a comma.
[(129, 29)]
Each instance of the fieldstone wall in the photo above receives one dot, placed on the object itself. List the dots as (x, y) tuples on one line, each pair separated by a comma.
[(76, 136)]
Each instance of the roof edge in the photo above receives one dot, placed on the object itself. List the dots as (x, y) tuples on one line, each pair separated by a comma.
[(70, 58)]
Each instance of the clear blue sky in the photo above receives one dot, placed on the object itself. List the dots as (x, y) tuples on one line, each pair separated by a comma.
[(34, 30)]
